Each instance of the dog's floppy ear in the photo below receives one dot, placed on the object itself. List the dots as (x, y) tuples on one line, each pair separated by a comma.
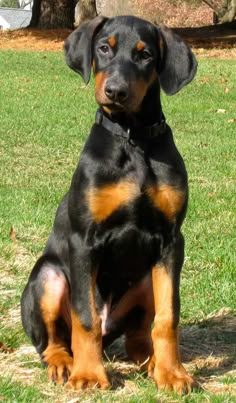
[(78, 47), (178, 64)]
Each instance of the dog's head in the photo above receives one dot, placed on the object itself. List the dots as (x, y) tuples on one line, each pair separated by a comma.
[(128, 55)]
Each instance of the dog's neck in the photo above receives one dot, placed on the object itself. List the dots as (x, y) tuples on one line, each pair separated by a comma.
[(143, 127), (150, 112)]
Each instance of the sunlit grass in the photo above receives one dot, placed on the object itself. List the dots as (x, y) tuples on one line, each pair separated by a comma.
[(46, 113)]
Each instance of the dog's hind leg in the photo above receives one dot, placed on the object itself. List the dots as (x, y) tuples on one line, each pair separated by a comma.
[(138, 342), (45, 311)]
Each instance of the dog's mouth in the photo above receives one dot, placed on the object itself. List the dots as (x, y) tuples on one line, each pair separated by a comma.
[(113, 107), (132, 105), (128, 106)]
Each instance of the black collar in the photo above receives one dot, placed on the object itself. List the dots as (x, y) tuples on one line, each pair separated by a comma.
[(134, 135)]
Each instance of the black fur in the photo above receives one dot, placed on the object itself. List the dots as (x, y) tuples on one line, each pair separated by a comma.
[(123, 247)]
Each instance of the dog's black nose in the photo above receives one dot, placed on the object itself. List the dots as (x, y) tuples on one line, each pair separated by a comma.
[(116, 92)]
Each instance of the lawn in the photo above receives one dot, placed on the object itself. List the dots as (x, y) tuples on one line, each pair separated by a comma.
[(45, 115)]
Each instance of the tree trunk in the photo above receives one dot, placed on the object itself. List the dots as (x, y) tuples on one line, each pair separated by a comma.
[(52, 14), (225, 13), (228, 11), (85, 10)]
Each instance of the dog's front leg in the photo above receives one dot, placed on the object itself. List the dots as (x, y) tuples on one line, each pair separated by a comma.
[(88, 369), (165, 366)]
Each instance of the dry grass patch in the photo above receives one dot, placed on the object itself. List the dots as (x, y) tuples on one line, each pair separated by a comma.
[(208, 349)]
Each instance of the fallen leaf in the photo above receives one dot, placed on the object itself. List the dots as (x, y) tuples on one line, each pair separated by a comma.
[(221, 111), (204, 80), (13, 235), (5, 349), (227, 90), (203, 145), (222, 80)]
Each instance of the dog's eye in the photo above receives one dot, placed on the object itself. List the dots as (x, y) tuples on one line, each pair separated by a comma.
[(104, 49), (146, 55)]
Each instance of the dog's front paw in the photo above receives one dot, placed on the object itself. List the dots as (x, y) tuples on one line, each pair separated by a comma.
[(83, 379), (168, 379), (59, 363)]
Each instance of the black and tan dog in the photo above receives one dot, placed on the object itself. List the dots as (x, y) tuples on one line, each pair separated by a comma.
[(112, 263)]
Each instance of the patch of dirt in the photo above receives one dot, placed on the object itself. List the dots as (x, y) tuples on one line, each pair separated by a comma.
[(176, 13), (33, 39), (209, 41)]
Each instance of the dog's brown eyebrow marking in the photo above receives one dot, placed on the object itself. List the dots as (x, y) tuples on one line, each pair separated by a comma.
[(112, 41), (102, 202), (140, 45), (161, 43)]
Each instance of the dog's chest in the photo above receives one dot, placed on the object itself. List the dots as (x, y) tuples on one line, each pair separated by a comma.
[(136, 192)]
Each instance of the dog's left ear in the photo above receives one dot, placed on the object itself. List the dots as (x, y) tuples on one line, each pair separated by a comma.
[(178, 64), (78, 47)]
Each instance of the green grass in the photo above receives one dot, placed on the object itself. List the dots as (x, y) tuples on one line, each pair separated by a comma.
[(46, 113), (12, 392)]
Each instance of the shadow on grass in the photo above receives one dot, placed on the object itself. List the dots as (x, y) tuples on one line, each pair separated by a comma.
[(210, 345), (208, 348), (211, 36)]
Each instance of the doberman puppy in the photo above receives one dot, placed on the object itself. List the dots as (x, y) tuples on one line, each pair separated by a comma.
[(113, 260)]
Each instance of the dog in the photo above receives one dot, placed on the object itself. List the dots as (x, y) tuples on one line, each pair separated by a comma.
[(112, 263)]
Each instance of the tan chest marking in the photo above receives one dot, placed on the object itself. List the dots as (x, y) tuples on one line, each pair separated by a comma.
[(167, 199), (102, 202)]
